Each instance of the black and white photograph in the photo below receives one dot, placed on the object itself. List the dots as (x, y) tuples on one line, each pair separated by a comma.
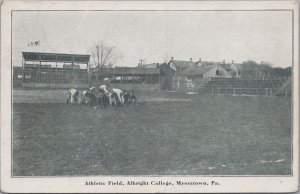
[(149, 96)]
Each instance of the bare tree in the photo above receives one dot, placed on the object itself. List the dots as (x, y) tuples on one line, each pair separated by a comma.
[(103, 56)]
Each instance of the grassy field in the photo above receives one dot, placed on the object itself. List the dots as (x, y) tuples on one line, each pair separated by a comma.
[(163, 134)]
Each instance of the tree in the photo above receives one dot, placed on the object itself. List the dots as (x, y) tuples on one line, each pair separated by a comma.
[(251, 69), (103, 56), (282, 72)]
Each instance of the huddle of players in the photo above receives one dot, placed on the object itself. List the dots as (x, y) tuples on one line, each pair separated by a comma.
[(106, 96)]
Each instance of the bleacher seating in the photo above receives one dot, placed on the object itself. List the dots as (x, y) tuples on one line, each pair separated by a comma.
[(258, 86)]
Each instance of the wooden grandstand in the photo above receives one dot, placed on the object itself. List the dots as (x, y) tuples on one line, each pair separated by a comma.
[(54, 70), (242, 86)]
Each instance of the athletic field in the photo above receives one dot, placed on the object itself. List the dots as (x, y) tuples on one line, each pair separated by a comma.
[(163, 134)]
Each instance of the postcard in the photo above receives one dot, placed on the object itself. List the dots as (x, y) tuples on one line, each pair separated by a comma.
[(149, 96)]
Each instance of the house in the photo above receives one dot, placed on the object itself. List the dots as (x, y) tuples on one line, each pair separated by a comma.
[(204, 72), (180, 65), (199, 76), (233, 68)]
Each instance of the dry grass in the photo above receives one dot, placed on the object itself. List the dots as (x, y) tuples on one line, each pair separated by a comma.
[(206, 135)]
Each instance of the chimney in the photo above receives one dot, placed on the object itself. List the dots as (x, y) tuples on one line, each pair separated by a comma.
[(200, 60), (261, 62), (232, 61), (224, 61), (172, 58), (191, 59)]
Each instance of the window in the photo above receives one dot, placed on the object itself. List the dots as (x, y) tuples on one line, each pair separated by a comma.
[(217, 72)]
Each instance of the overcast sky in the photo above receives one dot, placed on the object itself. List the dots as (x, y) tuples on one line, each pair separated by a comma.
[(155, 36)]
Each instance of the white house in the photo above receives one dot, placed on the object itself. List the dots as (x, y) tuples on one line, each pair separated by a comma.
[(205, 71), (198, 76)]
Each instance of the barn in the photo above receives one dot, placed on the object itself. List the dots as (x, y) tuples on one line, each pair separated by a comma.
[(54, 70)]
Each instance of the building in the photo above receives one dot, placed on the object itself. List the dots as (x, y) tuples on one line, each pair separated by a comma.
[(180, 65), (199, 76), (137, 78), (204, 72), (153, 75), (150, 65), (233, 68), (135, 75), (54, 70), (167, 75)]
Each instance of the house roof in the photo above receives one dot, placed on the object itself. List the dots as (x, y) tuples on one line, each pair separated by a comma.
[(197, 70), (226, 66), (181, 63)]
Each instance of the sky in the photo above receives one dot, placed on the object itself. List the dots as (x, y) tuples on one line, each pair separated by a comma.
[(157, 36)]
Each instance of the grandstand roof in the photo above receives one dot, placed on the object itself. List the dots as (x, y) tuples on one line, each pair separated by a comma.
[(55, 57)]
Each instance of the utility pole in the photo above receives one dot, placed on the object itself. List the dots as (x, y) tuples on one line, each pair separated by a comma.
[(141, 62), (140, 69)]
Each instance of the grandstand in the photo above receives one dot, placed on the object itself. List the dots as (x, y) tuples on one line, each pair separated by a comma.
[(54, 70), (241, 86)]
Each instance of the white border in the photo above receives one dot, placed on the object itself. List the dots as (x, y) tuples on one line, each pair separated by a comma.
[(77, 184)]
